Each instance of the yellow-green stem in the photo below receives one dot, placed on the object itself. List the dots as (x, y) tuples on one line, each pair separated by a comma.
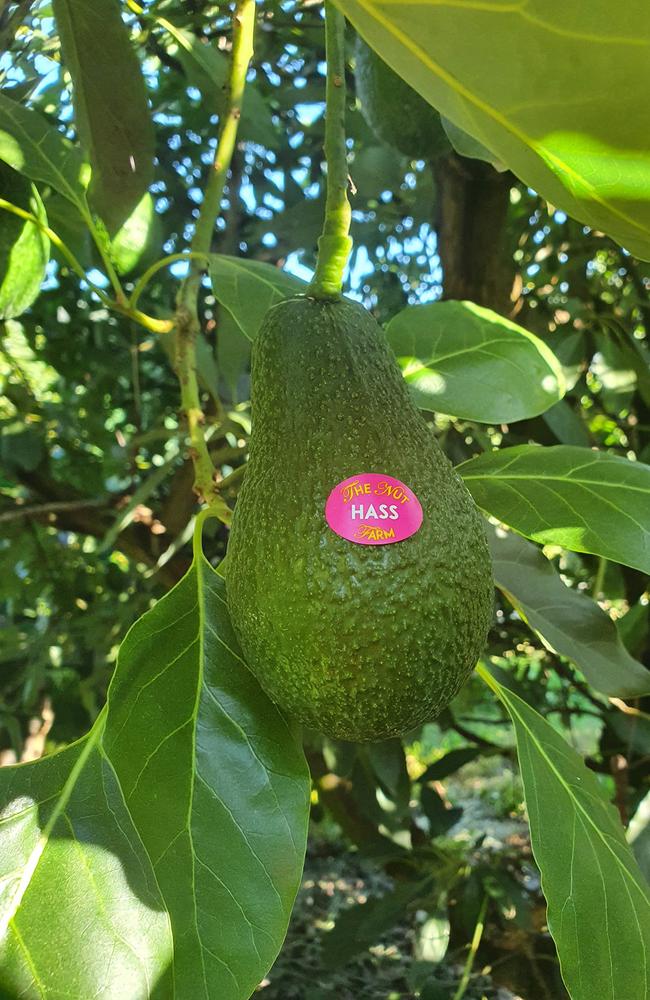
[(187, 318), (334, 245)]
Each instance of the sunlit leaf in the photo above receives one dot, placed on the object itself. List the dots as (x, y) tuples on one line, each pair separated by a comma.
[(598, 901), (24, 247), (34, 148), (462, 359), (588, 501), (570, 621), (556, 94), (175, 830)]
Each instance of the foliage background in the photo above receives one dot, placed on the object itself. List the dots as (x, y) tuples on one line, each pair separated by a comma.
[(92, 449)]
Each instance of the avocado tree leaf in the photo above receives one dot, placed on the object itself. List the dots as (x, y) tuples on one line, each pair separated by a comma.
[(176, 830), (363, 924), (584, 500), (462, 359), (24, 247), (572, 624), (248, 289), (598, 900), (557, 96), (71, 860), (110, 102), (34, 148)]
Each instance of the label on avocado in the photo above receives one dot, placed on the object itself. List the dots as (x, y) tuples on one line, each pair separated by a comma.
[(373, 509)]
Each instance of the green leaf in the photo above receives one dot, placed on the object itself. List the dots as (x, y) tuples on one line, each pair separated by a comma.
[(30, 145), (138, 242), (450, 763), (233, 354), (598, 901), (24, 247), (110, 101), (175, 830), (462, 359), (468, 146), (363, 925), (248, 289), (388, 764), (569, 621), (588, 501), (440, 818), (557, 96)]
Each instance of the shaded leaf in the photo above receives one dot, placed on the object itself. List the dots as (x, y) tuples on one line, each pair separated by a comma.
[(181, 820), (450, 763), (588, 501), (248, 289), (233, 355), (388, 764), (441, 819), (24, 247), (34, 148), (571, 622), (363, 925), (576, 130), (567, 425), (110, 101), (462, 359), (598, 901)]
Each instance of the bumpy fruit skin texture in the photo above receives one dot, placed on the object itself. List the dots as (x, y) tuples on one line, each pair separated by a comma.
[(394, 111), (361, 642)]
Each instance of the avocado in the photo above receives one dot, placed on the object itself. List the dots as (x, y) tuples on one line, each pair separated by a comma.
[(394, 111), (360, 641)]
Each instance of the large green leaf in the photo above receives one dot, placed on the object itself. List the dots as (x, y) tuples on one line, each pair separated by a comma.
[(557, 92), (462, 359), (24, 247), (30, 145), (588, 501), (176, 830), (598, 901), (248, 289), (111, 110), (570, 621)]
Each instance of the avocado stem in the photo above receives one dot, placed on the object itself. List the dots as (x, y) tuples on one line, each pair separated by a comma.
[(335, 244)]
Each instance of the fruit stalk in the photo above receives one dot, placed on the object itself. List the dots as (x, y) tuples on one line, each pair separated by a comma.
[(335, 244)]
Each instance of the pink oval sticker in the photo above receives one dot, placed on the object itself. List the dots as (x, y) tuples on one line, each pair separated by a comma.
[(373, 509)]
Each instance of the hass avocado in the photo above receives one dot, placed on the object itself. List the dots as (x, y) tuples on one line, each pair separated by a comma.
[(394, 111), (360, 641)]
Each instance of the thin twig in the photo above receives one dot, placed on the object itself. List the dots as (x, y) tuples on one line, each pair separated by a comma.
[(187, 318), (41, 509)]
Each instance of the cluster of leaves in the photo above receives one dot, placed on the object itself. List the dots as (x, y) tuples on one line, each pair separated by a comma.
[(98, 514)]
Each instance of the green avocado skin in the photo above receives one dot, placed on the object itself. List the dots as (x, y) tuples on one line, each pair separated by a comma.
[(362, 642), (394, 111)]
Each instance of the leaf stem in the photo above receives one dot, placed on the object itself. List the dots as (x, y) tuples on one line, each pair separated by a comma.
[(187, 318), (335, 244)]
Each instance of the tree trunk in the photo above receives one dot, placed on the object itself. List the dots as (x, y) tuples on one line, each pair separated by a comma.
[(472, 201)]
